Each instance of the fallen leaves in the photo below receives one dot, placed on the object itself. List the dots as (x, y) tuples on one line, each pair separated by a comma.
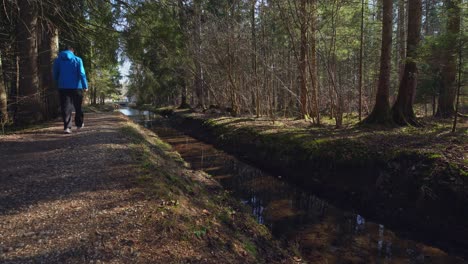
[(297, 259)]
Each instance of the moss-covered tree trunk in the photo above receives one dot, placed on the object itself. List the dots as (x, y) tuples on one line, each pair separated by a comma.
[(402, 111), (381, 112)]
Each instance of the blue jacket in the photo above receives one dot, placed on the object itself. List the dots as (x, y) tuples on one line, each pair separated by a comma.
[(69, 72)]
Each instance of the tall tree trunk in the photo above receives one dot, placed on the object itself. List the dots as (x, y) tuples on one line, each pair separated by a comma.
[(3, 95), (401, 38), (14, 86), (313, 70), (199, 91), (233, 89), (459, 84), (264, 58), (256, 95), (429, 31), (29, 108), (48, 49), (182, 16), (460, 68), (183, 103), (336, 99), (361, 55), (381, 112), (302, 59), (402, 110), (92, 78), (447, 89)]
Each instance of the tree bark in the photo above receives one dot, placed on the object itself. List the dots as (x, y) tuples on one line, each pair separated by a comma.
[(3, 95), (183, 102), (182, 16), (256, 93), (447, 89), (199, 91), (401, 38), (381, 111), (302, 59), (457, 104), (29, 108), (48, 49), (361, 55), (402, 110), (92, 77), (14, 88), (313, 69)]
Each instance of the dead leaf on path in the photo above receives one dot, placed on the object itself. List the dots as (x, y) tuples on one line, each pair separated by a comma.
[(206, 212)]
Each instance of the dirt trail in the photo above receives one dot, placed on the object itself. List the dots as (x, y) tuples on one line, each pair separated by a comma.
[(77, 199), (81, 198), (68, 198)]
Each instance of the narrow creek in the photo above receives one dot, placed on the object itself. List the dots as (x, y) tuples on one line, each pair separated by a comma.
[(322, 232)]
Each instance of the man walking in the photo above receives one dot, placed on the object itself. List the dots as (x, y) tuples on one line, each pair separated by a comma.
[(69, 73)]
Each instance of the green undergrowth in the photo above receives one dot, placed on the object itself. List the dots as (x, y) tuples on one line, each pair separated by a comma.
[(288, 145), (194, 208)]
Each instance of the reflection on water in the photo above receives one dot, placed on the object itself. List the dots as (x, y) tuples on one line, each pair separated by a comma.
[(143, 117), (324, 233)]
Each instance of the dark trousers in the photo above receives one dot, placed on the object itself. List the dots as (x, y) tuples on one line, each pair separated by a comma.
[(69, 99)]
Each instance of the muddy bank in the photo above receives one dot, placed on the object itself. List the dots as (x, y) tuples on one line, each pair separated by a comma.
[(405, 189)]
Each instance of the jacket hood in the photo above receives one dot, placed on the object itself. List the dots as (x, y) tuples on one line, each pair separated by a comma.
[(66, 55)]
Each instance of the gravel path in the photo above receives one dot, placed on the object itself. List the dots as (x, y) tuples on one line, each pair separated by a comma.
[(70, 198)]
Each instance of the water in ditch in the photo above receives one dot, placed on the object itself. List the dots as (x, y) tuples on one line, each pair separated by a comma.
[(322, 232)]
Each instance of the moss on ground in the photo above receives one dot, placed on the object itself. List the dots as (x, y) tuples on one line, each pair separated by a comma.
[(356, 145)]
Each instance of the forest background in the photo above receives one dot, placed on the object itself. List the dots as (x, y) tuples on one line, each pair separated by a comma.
[(375, 61)]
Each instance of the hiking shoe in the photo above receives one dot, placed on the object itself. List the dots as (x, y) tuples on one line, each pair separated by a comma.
[(67, 131), (78, 128)]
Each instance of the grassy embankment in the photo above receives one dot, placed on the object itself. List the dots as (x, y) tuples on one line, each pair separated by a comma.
[(195, 212)]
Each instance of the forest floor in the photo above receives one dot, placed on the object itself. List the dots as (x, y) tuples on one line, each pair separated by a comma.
[(434, 137), (115, 193)]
